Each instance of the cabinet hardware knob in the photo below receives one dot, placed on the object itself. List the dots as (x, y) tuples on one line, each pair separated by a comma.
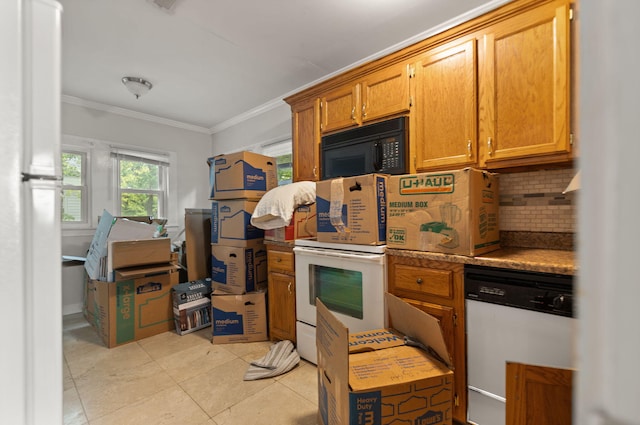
[(469, 148), (289, 287), (419, 281), (278, 260), (353, 113), (364, 110), (490, 145)]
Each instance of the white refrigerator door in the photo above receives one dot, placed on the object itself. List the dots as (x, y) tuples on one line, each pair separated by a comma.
[(31, 353), (43, 290), (41, 201)]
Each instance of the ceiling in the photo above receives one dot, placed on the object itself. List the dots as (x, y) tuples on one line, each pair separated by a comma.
[(211, 61)]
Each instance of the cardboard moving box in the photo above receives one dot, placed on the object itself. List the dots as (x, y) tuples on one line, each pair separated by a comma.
[(303, 225), (238, 270), (134, 253), (352, 210), (374, 377), (112, 229), (241, 175), (231, 223), (239, 318), (454, 212), (136, 306)]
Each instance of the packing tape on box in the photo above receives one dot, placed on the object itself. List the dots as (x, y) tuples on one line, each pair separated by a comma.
[(335, 207)]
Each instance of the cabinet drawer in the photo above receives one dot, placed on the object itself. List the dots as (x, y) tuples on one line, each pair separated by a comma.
[(280, 261), (424, 280)]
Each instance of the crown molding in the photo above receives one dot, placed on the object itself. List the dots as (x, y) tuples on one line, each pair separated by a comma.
[(71, 100), (265, 107)]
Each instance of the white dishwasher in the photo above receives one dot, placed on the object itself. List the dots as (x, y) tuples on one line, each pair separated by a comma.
[(517, 316)]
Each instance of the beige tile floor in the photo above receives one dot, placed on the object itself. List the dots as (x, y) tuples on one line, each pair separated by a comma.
[(183, 380)]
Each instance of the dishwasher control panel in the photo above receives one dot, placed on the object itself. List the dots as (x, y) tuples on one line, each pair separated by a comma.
[(543, 292)]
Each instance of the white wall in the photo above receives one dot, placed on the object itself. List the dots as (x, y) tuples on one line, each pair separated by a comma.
[(609, 289), (189, 149), (270, 126)]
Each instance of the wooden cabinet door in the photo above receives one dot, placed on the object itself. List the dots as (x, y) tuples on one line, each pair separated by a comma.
[(445, 113), (282, 307), (524, 88), (305, 120), (341, 108), (446, 317), (437, 287), (538, 395), (385, 93)]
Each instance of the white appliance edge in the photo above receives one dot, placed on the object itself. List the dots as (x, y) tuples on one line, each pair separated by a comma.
[(32, 390), (373, 267)]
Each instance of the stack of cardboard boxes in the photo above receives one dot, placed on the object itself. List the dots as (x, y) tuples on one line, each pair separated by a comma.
[(129, 281), (238, 253)]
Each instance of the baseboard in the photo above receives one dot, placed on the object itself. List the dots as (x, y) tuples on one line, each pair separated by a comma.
[(71, 309)]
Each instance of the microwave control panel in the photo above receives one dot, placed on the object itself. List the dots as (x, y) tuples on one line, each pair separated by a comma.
[(391, 153), (390, 156)]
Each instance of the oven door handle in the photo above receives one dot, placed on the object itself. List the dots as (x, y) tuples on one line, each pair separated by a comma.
[(338, 254)]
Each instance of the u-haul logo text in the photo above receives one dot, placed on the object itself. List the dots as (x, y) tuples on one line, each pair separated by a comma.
[(487, 197), (427, 184)]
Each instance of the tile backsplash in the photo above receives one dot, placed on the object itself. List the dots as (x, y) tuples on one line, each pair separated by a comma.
[(533, 202)]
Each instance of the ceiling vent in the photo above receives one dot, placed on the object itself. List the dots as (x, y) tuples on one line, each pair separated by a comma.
[(167, 5)]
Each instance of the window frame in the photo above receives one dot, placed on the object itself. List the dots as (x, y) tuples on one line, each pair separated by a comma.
[(163, 194), (277, 149), (84, 188)]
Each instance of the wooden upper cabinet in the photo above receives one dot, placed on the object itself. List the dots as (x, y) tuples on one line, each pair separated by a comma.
[(341, 108), (305, 120), (444, 119), (385, 93), (377, 95), (524, 89), (493, 93)]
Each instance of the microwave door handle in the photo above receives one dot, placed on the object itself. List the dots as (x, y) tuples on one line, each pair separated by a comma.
[(377, 165)]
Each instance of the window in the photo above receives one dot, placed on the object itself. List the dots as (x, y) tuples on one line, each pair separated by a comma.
[(281, 151), (141, 188), (74, 187)]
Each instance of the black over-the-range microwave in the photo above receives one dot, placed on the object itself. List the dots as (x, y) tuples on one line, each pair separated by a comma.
[(375, 148)]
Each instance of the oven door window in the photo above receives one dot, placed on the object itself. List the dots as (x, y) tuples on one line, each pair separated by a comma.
[(339, 289)]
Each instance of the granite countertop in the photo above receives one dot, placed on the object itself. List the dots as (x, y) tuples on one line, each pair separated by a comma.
[(531, 259)]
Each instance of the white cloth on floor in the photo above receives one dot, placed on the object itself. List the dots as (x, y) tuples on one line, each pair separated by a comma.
[(281, 358)]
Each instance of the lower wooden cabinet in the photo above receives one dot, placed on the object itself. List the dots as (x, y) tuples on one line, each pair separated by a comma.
[(281, 293), (437, 287), (538, 395)]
